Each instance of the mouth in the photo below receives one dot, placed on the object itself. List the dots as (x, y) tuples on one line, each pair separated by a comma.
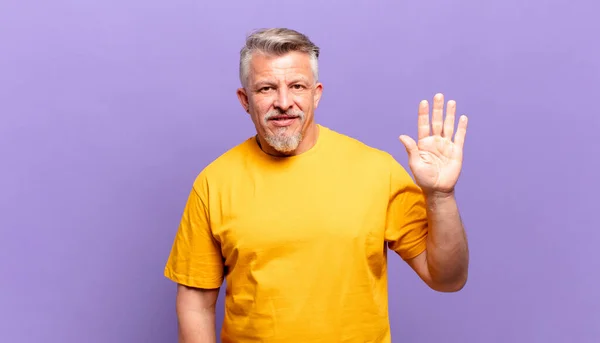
[(283, 120)]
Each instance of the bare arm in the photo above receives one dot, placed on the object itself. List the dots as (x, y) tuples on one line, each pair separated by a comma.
[(444, 265), (196, 314), (436, 163)]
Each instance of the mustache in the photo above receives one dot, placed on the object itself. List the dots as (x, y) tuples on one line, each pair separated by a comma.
[(277, 112)]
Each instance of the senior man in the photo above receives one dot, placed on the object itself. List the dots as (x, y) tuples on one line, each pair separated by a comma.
[(298, 218)]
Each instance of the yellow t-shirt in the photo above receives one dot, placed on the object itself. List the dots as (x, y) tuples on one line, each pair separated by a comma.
[(301, 241)]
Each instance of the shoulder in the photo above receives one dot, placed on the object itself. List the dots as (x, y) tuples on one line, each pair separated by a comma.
[(354, 148), (368, 159), (224, 166)]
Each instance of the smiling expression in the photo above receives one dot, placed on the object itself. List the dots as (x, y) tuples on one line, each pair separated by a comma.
[(281, 95)]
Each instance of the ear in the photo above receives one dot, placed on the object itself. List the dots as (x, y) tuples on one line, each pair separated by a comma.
[(318, 92), (243, 98)]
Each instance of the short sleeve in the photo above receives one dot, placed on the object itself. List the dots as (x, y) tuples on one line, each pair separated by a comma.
[(195, 259), (406, 222)]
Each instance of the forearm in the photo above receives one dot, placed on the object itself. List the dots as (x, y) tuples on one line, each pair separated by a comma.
[(447, 247)]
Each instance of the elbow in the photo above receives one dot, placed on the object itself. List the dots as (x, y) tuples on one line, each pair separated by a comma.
[(449, 278), (449, 286)]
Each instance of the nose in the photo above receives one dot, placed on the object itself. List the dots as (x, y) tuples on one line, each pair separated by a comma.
[(283, 100)]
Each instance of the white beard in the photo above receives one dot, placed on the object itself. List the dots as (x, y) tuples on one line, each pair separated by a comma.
[(279, 140)]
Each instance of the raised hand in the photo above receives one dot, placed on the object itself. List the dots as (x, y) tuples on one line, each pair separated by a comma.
[(436, 160)]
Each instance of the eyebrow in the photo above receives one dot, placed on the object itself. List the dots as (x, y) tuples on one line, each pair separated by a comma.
[(300, 79), (263, 83)]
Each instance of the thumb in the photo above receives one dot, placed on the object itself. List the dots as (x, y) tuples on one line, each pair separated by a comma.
[(410, 145)]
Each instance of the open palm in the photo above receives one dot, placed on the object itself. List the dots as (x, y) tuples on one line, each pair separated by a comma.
[(435, 160)]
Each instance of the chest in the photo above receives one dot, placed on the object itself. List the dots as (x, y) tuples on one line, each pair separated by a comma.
[(282, 215)]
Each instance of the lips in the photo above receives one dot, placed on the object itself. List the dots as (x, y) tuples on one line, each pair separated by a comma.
[(283, 117), (283, 120)]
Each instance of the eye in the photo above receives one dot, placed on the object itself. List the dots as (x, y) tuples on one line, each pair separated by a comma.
[(298, 87), (265, 89)]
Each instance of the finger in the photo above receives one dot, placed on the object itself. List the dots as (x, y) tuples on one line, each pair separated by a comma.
[(449, 121), (410, 145), (423, 122), (461, 132), (437, 115)]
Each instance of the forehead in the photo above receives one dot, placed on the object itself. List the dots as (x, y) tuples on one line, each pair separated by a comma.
[(291, 65)]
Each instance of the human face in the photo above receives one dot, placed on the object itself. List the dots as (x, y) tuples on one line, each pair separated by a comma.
[(281, 96)]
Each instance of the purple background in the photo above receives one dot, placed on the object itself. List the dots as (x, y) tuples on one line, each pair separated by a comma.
[(109, 109)]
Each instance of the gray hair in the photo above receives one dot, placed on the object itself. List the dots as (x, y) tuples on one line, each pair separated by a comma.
[(278, 42)]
